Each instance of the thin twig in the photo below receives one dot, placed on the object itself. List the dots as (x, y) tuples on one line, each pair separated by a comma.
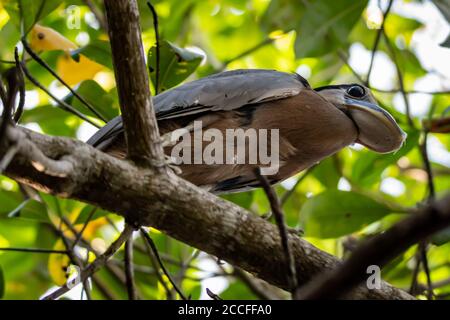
[(254, 285), (36, 17), (3, 96), (427, 165), (53, 73), (344, 59), (400, 78), (426, 268), (377, 41), (111, 268), (411, 91), (8, 106), (8, 157), (21, 84), (156, 268), (156, 28), (285, 197), (35, 250), (249, 51), (63, 105), (152, 245), (98, 14), (97, 264), (7, 61), (75, 260), (129, 269), (284, 235), (413, 286), (212, 295), (80, 234)]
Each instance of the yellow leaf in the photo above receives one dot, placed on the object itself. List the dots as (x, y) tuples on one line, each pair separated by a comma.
[(57, 264), (92, 227), (46, 39), (74, 72), (71, 71), (4, 17)]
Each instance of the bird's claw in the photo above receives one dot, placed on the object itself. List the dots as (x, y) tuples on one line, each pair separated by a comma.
[(172, 164)]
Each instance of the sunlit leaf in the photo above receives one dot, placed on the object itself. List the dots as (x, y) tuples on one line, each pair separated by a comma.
[(370, 165), (33, 11), (98, 98), (58, 264), (73, 72), (84, 214), (52, 120), (47, 39), (335, 213), (327, 172), (176, 64), (322, 26), (98, 51)]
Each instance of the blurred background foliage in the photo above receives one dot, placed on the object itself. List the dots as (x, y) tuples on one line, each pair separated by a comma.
[(350, 196)]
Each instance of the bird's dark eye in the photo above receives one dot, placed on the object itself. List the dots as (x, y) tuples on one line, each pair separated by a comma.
[(356, 91)]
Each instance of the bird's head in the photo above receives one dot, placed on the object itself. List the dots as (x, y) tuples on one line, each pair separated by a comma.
[(377, 129)]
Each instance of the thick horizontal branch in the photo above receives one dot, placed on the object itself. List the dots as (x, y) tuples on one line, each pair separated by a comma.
[(162, 200)]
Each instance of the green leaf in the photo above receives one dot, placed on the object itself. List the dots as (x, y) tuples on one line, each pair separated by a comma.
[(93, 93), (35, 210), (9, 201), (53, 120), (326, 26), (442, 237), (33, 11), (369, 166), (84, 214), (282, 15), (2, 283), (322, 26), (397, 25), (13, 205), (176, 64), (242, 199), (335, 213), (326, 172), (97, 50)]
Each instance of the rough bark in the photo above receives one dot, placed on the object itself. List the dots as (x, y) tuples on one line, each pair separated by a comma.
[(141, 129), (179, 209), (146, 194)]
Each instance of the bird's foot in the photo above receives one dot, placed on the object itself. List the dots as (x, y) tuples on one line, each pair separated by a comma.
[(172, 164), (296, 231), (171, 138)]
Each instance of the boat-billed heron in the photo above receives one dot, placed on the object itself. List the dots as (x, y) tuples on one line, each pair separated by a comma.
[(312, 123)]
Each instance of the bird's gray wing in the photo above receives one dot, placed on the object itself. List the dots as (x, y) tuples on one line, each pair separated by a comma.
[(223, 91), (227, 91)]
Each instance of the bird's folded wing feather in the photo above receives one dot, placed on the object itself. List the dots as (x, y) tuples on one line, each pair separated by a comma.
[(223, 91)]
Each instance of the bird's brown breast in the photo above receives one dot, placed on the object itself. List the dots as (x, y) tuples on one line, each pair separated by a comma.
[(310, 129)]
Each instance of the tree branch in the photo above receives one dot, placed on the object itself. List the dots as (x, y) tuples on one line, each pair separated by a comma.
[(380, 250), (141, 129), (192, 215), (129, 269), (97, 264)]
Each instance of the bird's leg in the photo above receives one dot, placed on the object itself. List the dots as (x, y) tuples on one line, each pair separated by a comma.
[(169, 140)]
